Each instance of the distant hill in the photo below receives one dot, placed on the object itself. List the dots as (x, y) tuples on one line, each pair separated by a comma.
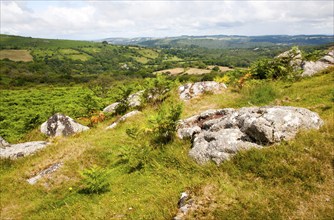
[(224, 41)]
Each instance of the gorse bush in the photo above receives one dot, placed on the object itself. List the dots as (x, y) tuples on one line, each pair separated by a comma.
[(165, 122), (95, 180)]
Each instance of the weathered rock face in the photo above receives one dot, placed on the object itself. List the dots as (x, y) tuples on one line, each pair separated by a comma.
[(3, 143), (219, 134), (60, 124), (23, 149), (295, 57), (123, 118), (135, 99), (310, 68), (191, 90)]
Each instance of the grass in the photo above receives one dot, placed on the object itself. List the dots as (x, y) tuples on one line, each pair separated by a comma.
[(16, 55), (289, 180)]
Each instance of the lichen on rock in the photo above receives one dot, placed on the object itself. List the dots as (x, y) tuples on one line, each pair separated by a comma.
[(219, 134)]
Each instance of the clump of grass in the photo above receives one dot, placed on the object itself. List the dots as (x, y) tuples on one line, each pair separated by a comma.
[(259, 93)]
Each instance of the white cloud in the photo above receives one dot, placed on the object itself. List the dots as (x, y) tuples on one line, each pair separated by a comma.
[(99, 19)]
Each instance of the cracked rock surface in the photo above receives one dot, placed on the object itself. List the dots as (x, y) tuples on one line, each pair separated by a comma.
[(219, 134)]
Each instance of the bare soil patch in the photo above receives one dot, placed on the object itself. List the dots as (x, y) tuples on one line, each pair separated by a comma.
[(16, 55)]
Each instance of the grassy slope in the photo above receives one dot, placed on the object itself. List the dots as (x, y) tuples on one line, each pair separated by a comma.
[(290, 180)]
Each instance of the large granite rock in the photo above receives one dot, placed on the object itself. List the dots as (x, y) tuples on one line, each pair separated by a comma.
[(191, 90), (310, 68), (219, 134), (23, 149), (61, 125), (123, 118)]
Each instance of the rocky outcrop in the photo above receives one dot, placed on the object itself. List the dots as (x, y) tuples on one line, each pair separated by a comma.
[(15, 151), (191, 90), (61, 125), (3, 143), (310, 68), (49, 170), (123, 118), (219, 134), (134, 100), (294, 56)]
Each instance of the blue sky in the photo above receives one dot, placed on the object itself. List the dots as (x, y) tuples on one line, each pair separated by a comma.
[(89, 20)]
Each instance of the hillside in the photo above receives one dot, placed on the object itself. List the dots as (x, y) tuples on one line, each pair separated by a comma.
[(139, 168), (251, 185), (57, 61), (225, 41)]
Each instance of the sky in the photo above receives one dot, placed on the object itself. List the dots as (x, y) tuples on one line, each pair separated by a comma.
[(93, 20)]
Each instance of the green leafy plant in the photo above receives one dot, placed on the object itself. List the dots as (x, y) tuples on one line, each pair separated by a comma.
[(95, 180), (157, 89), (89, 103), (122, 98), (165, 122)]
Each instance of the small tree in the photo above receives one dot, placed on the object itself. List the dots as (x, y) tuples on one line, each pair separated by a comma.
[(122, 97), (165, 122)]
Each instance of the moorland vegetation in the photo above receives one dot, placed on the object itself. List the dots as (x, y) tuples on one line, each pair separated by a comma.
[(138, 170)]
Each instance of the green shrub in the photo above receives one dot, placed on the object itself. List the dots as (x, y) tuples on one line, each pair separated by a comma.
[(122, 97), (165, 122), (277, 68), (95, 180), (89, 103), (157, 89)]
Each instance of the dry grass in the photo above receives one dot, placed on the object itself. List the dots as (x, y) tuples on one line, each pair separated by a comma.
[(196, 71), (221, 68), (16, 55), (173, 72), (191, 71)]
